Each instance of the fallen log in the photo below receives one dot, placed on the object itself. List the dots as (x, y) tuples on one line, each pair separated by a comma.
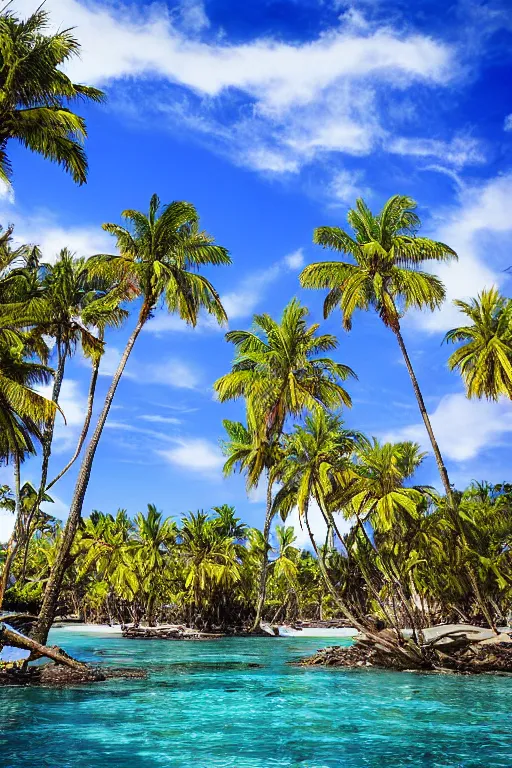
[(16, 640)]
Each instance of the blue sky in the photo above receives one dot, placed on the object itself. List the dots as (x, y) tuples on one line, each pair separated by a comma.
[(272, 117)]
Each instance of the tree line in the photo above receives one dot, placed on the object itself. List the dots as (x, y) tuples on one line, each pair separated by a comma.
[(283, 370)]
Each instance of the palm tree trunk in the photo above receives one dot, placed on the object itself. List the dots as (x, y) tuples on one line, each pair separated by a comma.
[(53, 587), (444, 476), (14, 541), (87, 421), (361, 626), (328, 582), (424, 415), (262, 588), (46, 443)]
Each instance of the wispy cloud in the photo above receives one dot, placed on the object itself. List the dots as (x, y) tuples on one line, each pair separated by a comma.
[(157, 419), (460, 151), (73, 404), (289, 103), (172, 372), (196, 455)]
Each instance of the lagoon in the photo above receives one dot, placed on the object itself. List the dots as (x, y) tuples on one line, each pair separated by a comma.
[(236, 703)]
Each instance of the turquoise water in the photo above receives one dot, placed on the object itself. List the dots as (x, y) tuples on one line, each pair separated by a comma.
[(203, 706)]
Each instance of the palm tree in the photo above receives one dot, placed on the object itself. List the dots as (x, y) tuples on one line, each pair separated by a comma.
[(159, 259), (485, 358), (211, 560), (72, 303), (279, 372), (153, 538), (316, 462), (35, 94), (284, 569), (23, 415), (385, 274)]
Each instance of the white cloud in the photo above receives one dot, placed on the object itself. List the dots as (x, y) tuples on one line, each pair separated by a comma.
[(6, 192), (57, 508), (507, 124), (478, 228), (192, 16), (295, 260), (196, 455), (318, 526), (174, 373), (122, 426), (346, 186), (155, 418), (243, 301), (239, 303), (43, 230), (73, 403), (109, 361), (6, 525), (119, 45), (171, 372), (462, 427), (301, 99), (462, 150)]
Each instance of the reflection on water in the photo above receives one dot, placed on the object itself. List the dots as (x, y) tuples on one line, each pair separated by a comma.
[(235, 703)]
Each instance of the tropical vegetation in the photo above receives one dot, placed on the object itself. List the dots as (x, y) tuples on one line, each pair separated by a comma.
[(396, 554)]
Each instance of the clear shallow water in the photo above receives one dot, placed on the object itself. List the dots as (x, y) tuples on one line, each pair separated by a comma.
[(204, 706)]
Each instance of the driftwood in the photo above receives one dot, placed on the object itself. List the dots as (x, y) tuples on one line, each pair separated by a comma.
[(14, 639), (168, 632), (456, 651)]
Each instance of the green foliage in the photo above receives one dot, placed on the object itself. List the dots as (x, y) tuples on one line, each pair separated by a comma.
[(385, 273), (484, 359), (35, 94)]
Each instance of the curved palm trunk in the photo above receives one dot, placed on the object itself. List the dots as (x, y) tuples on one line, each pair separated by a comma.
[(444, 476), (53, 587), (262, 586), (86, 425), (46, 443), (361, 626), (50, 428), (424, 415), (328, 582)]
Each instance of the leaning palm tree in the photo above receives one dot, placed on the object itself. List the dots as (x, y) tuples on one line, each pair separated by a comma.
[(35, 94), (485, 358), (159, 259), (385, 274), (74, 309), (280, 370)]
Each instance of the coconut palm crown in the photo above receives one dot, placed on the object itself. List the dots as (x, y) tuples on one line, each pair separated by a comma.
[(386, 270), (485, 358), (35, 94)]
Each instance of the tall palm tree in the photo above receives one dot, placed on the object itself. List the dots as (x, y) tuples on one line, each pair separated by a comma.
[(485, 358), (75, 308), (159, 259), (279, 371), (385, 274), (35, 94)]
